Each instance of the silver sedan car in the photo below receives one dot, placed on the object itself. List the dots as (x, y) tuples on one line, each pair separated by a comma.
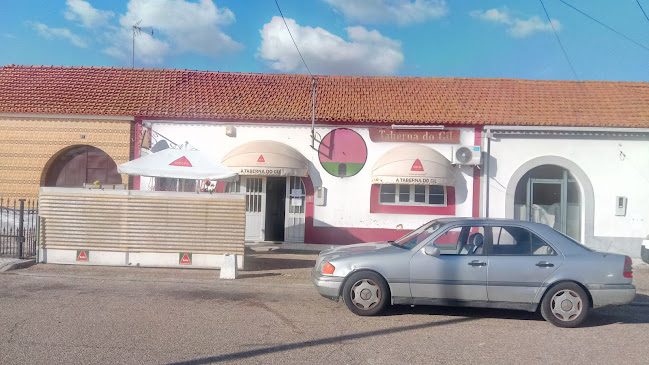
[(494, 263)]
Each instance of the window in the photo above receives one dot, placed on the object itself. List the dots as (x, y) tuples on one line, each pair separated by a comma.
[(170, 184), (467, 240), (518, 241), (232, 187), (393, 194)]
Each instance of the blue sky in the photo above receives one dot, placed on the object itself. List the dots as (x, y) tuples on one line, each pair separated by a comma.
[(469, 38)]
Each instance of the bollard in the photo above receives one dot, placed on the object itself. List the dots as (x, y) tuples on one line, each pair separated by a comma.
[(229, 267)]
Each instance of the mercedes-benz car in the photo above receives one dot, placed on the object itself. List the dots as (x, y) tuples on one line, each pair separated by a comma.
[(494, 263)]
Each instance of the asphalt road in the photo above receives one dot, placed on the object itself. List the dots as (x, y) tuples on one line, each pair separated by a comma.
[(54, 314)]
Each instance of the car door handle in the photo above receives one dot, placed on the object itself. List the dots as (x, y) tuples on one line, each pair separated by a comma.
[(544, 264), (477, 263)]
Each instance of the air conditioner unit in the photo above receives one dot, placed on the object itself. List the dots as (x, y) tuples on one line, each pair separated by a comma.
[(467, 155)]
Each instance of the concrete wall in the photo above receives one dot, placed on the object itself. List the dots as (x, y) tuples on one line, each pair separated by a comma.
[(348, 199), (604, 165), (29, 145)]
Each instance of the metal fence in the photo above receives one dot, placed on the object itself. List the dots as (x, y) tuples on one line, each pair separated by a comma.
[(18, 233)]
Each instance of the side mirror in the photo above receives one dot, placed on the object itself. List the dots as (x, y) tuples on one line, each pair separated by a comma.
[(432, 251)]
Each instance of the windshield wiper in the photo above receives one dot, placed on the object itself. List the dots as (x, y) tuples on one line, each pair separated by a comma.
[(395, 244)]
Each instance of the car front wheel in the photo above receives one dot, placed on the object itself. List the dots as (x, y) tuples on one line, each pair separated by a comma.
[(565, 305), (366, 293)]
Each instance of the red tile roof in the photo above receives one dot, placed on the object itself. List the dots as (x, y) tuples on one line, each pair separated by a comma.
[(278, 97)]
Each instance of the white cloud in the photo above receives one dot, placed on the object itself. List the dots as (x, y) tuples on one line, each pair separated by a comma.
[(89, 17), (402, 12), (366, 53), (179, 26), (51, 33), (517, 27)]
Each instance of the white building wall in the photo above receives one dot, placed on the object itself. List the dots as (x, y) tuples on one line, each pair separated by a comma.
[(615, 166), (348, 199)]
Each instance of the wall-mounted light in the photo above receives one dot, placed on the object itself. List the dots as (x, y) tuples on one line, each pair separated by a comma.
[(409, 126), (230, 131)]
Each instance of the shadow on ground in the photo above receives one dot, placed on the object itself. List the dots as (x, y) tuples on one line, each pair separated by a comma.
[(635, 313), (279, 260)]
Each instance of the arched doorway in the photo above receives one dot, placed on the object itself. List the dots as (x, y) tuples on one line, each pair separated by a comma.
[(550, 194), (82, 164)]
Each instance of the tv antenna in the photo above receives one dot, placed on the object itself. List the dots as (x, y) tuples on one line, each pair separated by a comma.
[(137, 30)]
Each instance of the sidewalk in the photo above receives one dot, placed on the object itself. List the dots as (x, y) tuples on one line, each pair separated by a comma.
[(10, 263), (287, 247)]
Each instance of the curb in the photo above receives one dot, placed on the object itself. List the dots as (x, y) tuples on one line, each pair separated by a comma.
[(18, 265)]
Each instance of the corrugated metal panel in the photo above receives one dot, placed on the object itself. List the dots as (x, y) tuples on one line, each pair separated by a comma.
[(142, 221)]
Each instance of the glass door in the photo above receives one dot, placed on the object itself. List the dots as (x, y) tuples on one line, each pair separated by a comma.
[(255, 190), (547, 202), (295, 210)]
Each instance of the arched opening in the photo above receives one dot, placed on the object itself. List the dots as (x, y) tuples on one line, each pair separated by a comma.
[(81, 164), (550, 194)]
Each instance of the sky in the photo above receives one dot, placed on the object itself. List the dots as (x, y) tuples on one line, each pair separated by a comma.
[(440, 38)]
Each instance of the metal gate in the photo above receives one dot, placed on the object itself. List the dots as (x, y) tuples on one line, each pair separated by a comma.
[(18, 233)]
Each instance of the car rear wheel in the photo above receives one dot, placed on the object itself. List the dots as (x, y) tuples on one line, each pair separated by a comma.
[(366, 293), (565, 305)]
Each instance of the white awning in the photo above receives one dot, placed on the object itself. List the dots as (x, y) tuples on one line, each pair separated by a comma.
[(177, 164), (413, 165), (266, 158)]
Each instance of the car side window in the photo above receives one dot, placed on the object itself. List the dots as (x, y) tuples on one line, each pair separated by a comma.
[(519, 242), (467, 240), (540, 247)]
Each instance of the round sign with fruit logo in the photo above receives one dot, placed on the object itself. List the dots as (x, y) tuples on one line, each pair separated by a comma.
[(342, 152)]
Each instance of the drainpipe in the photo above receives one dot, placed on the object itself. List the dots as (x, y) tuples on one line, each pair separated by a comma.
[(487, 172), (313, 115)]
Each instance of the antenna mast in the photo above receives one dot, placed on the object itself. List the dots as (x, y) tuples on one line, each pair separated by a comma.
[(137, 30)]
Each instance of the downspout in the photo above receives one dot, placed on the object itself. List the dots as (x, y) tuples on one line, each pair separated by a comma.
[(313, 116), (487, 172)]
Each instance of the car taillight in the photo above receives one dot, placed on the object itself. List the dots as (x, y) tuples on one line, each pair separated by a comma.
[(328, 269), (628, 267)]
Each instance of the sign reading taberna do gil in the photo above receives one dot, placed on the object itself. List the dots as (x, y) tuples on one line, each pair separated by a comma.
[(414, 135)]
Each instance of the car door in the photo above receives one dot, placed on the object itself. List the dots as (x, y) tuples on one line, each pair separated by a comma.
[(519, 264), (458, 273)]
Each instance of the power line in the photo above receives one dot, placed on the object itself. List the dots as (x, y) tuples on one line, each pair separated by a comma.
[(643, 12), (559, 40), (606, 26), (289, 33)]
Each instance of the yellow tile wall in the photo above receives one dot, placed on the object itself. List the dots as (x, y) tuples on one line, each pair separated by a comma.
[(29, 145)]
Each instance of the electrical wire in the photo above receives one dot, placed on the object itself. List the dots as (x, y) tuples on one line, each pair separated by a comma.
[(559, 40), (289, 33), (606, 26), (643, 12)]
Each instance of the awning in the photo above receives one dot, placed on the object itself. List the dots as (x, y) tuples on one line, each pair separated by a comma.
[(177, 164), (413, 165), (266, 158)]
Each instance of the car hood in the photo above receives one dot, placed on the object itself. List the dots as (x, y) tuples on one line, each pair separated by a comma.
[(357, 250)]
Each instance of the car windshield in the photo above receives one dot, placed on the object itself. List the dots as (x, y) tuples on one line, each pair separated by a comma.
[(413, 238)]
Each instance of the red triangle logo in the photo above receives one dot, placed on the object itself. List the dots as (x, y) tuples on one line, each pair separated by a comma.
[(417, 166), (185, 260), (82, 256), (183, 161), (261, 158)]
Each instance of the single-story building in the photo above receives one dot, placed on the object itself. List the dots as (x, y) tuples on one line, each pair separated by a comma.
[(349, 159)]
